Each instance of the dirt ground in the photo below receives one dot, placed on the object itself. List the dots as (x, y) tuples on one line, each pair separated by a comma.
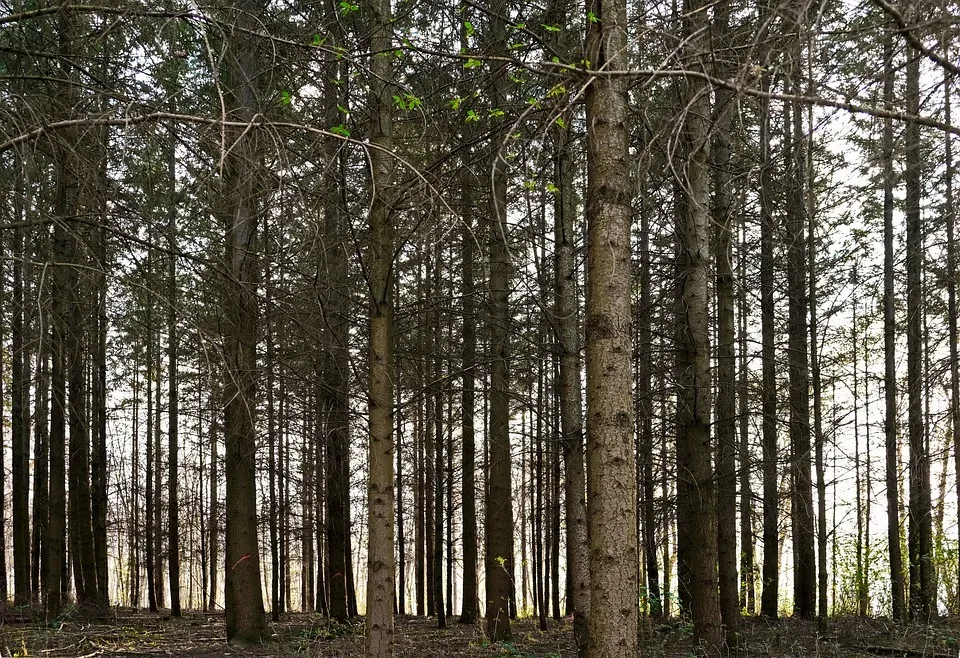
[(136, 633)]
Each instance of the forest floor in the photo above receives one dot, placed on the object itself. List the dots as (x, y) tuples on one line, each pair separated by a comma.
[(136, 633)]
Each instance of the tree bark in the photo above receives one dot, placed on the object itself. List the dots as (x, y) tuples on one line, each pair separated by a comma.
[(726, 409), (380, 547), (499, 566), (243, 600), (922, 604), (889, 343), (611, 483), (696, 506)]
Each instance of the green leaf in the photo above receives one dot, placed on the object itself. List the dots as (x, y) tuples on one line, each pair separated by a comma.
[(468, 28), (560, 122), (472, 116), (592, 17), (341, 130), (455, 102), (318, 40), (347, 7), (495, 112), (550, 28), (406, 101), (472, 63), (285, 98), (552, 189), (556, 90)]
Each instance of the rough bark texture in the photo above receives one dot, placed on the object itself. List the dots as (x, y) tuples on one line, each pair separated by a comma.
[(611, 482), (769, 597), (20, 434), (173, 402), (337, 359), (569, 389), (889, 347), (696, 511), (805, 567), (470, 611), (243, 603), (499, 499), (922, 587), (380, 500), (726, 409)]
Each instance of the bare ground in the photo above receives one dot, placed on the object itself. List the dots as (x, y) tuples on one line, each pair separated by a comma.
[(126, 632)]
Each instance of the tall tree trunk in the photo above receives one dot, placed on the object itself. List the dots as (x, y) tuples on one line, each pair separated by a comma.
[(337, 365), (41, 449), (696, 511), (952, 282), (816, 383), (499, 564), (644, 395), (569, 396), (769, 598), (611, 484), (726, 410), (214, 504), (158, 478), (889, 345), (470, 610), (922, 604), (805, 567), (243, 600), (173, 395), (380, 547), (747, 567), (20, 418), (150, 502)]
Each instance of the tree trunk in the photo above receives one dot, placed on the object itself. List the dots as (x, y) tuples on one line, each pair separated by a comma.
[(952, 284), (173, 400), (747, 566), (470, 610), (769, 598), (611, 483), (726, 410), (20, 421), (805, 567), (380, 547), (499, 567), (243, 600), (922, 595), (696, 510), (889, 344)]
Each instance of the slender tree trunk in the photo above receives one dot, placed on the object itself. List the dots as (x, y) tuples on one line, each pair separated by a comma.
[(158, 479), (611, 484), (696, 510), (922, 604), (952, 283), (470, 611), (889, 343), (769, 599), (214, 521), (805, 567), (644, 395), (41, 451), (20, 420), (569, 397), (726, 409), (380, 547), (173, 395), (747, 567), (243, 598), (499, 528)]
